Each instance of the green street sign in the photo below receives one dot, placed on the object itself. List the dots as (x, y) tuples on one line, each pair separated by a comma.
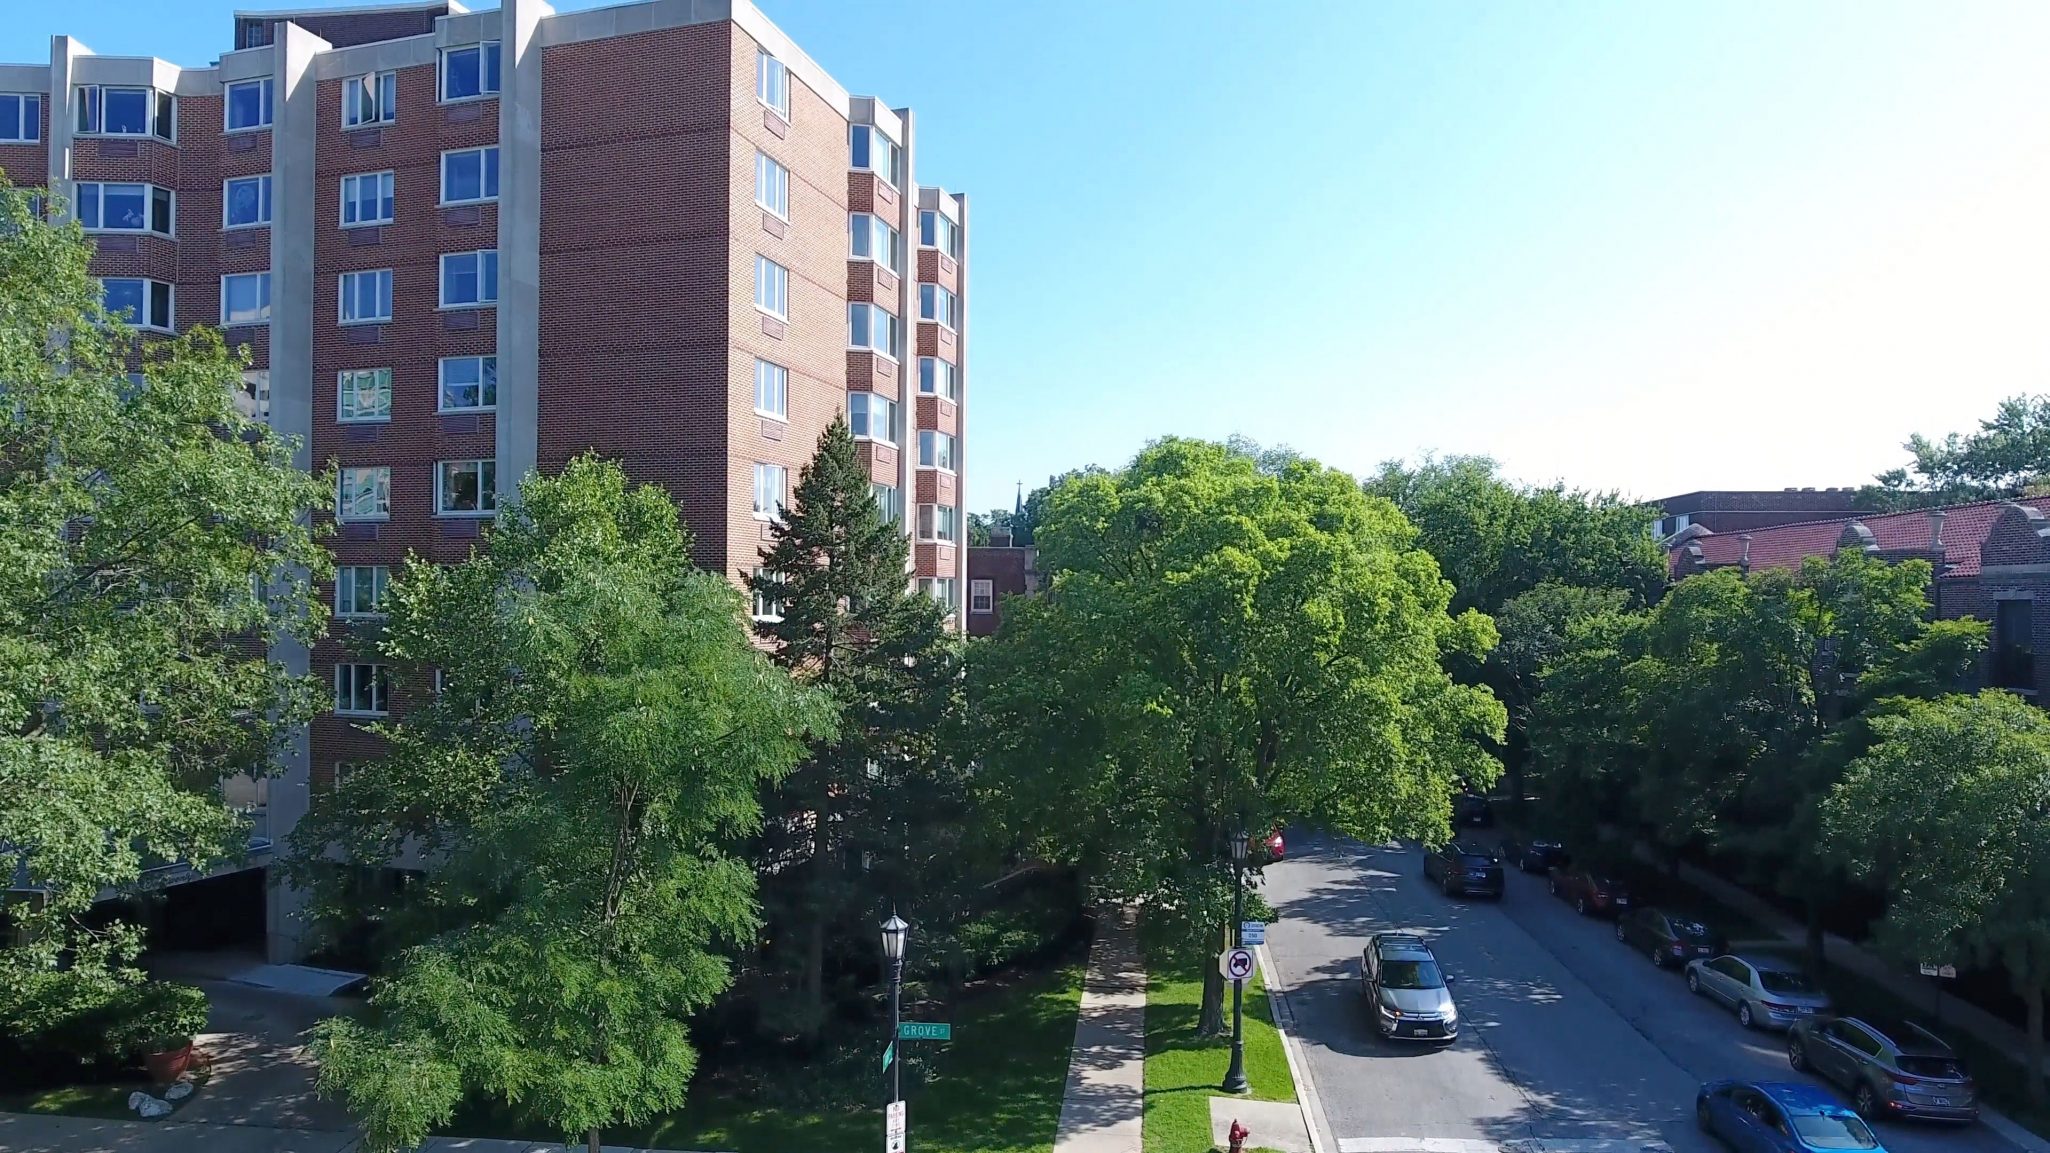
[(889, 1055), (925, 1031)]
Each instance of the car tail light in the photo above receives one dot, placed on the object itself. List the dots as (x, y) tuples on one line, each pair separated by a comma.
[(1776, 1007), (1679, 950)]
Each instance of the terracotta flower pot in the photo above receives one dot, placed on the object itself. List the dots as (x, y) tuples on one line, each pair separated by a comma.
[(165, 1067)]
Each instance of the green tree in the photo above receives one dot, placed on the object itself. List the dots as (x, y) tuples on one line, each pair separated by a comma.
[(2008, 455), (873, 813), (602, 728), (153, 545), (1950, 811), (1223, 646)]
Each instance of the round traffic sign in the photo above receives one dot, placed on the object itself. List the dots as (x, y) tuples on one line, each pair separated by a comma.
[(1235, 964)]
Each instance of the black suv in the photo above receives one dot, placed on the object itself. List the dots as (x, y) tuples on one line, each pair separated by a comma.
[(1465, 869)]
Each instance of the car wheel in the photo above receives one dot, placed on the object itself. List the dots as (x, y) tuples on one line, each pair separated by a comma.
[(1744, 1014), (1701, 1115), (1447, 884), (1658, 958), (1797, 1056), (1580, 905), (1693, 981), (1867, 1102)]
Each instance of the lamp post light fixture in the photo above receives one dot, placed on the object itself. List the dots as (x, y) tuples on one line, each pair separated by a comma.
[(895, 934), (1235, 1076)]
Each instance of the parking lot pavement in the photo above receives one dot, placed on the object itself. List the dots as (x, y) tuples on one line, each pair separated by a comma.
[(1569, 1042)]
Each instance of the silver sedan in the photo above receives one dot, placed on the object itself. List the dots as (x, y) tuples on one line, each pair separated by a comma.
[(1767, 993)]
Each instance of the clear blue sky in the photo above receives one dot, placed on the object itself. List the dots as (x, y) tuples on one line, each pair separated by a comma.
[(1653, 247)]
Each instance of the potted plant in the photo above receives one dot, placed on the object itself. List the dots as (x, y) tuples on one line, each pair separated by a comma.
[(165, 1018)]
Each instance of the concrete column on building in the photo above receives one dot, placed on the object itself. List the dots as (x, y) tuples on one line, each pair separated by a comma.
[(519, 242), (63, 117), (961, 405), (907, 356)]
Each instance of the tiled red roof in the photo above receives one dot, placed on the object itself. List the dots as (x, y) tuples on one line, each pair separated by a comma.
[(1784, 546)]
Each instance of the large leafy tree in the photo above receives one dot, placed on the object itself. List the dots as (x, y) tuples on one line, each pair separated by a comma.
[(2008, 455), (1950, 811), (603, 727), (153, 545), (874, 812), (1224, 645)]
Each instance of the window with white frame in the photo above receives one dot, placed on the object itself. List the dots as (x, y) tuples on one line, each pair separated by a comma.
[(935, 230), (772, 83), (938, 378), (872, 417), (365, 494), (937, 522), (363, 394), (468, 384), (772, 287), (21, 117), (469, 175), (359, 589), (343, 771), (245, 201), (467, 73), (123, 208), (772, 185), (770, 480), (369, 198), (766, 606), (469, 279), (982, 596), (245, 299), (466, 487), (869, 238), (772, 390), (106, 111), (889, 500), (252, 394), (935, 449), (936, 303), (140, 302), (875, 327), (362, 690), (940, 589), (249, 104), (869, 149), (366, 296), (370, 99)]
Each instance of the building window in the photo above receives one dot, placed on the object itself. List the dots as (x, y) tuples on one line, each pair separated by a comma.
[(772, 390), (940, 589), (366, 296), (982, 596), (359, 590), (466, 487), (343, 771), (874, 327), (126, 112), (936, 522), (252, 395), (245, 299), (370, 198), (935, 449), (21, 117), (469, 279), (766, 606), (365, 494), (936, 303), (772, 185), (371, 99), (245, 202), (868, 238), (469, 175), (2014, 644), (123, 208), (142, 303), (938, 378), (772, 83), (872, 417), (364, 394), (936, 231), (772, 287), (470, 72), (869, 149), (468, 383), (361, 690), (249, 105), (769, 482), (889, 500)]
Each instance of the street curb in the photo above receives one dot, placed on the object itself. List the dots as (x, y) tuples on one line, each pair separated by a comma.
[(1298, 1067), (2016, 1134)]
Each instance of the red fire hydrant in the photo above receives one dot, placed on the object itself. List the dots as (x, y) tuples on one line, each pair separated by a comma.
[(1238, 1134)]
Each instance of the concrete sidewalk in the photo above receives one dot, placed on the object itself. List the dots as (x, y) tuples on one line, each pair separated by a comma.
[(1104, 1106)]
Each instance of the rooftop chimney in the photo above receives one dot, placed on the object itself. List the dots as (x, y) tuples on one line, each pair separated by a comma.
[(1745, 562), (1936, 519), (1000, 538)]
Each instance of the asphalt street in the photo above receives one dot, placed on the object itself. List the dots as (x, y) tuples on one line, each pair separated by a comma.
[(1566, 1036)]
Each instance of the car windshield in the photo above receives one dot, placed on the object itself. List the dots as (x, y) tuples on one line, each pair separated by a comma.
[(1785, 981), (1693, 930), (1411, 975), (1833, 1131)]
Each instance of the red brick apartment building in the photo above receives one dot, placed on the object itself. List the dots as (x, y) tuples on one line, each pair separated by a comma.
[(462, 246)]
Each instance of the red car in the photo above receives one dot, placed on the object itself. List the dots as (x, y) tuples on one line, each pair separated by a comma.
[(1269, 849), (1590, 892)]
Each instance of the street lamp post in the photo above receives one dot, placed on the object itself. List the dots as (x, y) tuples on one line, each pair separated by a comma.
[(1235, 1077), (895, 932)]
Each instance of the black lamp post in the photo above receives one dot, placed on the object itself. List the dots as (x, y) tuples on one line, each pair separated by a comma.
[(1235, 1077), (895, 933)]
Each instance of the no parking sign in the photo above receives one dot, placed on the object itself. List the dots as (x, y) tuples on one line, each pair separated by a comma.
[(1235, 964)]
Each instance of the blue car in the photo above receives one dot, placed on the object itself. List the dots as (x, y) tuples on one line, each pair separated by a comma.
[(1776, 1117)]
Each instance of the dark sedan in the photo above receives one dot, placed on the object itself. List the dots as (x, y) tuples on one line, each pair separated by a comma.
[(1465, 869), (1537, 856), (1667, 937), (1472, 809), (1590, 891)]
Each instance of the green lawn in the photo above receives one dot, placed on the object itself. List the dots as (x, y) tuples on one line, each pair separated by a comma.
[(1183, 1071), (77, 1100)]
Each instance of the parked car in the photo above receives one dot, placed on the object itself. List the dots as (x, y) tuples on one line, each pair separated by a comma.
[(1766, 993), (1536, 856), (1407, 994), (1589, 890), (1463, 868), (1890, 1068), (1272, 847), (1777, 1117), (1473, 810), (1667, 937)]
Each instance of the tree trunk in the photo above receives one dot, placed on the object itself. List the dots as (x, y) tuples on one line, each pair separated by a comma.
[(1210, 1022), (1818, 950), (591, 1140), (2034, 998)]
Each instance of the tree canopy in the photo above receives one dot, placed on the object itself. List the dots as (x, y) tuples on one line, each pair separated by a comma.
[(2008, 455)]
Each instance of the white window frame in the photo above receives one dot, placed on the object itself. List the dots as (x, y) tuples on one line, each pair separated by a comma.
[(347, 377), (149, 207), (267, 92), (892, 169), (982, 597), (379, 688), (768, 612), (487, 494), (892, 413), (772, 84), (942, 224), (942, 369), (923, 454), (484, 50), (149, 287), (934, 586), (780, 499), (348, 582), (92, 105), (263, 201), (772, 186), (380, 90), (929, 525), (893, 327), (935, 294), (486, 182), (867, 232), (263, 281), (772, 390), (777, 284), (893, 508), (387, 206), (441, 403), (28, 123), (343, 296), (485, 284), (378, 479)]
